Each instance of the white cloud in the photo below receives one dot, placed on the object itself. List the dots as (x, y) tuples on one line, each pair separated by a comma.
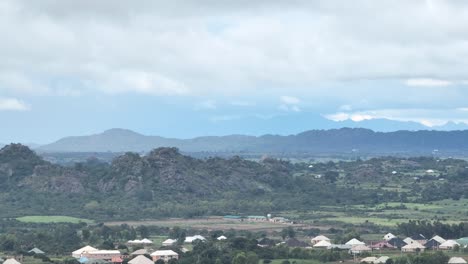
[(289, 103), (224, 48), (426, 117), (12, 104), (289, 100), (427, 82)]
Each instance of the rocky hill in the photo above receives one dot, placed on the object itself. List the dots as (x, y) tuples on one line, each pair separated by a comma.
[(165, 183)]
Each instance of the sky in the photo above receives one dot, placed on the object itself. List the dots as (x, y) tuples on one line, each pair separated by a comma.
[(191, 68)]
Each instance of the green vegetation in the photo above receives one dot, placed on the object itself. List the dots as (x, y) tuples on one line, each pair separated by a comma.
[(52, 219)]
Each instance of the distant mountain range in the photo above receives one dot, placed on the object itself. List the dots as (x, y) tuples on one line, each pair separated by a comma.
[(344, 140)]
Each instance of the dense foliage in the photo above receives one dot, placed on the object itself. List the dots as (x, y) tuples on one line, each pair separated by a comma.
[(165, 183)]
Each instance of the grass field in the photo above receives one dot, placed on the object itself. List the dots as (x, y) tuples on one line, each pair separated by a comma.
[(52, 219), (209, 223)]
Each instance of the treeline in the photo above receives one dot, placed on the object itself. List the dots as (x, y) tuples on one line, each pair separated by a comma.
[(430, 229)]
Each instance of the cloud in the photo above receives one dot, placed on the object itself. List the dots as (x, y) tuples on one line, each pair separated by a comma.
[(289, 103), (12, 104), (427, 82), (426, 117), (181, 48)]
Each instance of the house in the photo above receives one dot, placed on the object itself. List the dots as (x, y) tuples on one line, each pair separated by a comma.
[(382, 260), (102, 254), (279, 220), (419, 238), (322, 244), (141, 260), (389, 236), (169, 242), (11, 261), (397, 242), (340, 247), (354, 242), (317, 239), (146, 241), (463, 242), (408, 240), (438, 239), (165, 255), (78, 253), (116, 260), (257, 218), (36, 251), (358, 249), (191, 239), (449, 244), (413, 247), (221, 238), (138, 252), (432, 244), (457, 260), (370, 260), (381, 244)]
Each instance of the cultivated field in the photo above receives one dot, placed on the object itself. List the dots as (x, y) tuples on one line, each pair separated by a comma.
[(52, 219), (210, 223)]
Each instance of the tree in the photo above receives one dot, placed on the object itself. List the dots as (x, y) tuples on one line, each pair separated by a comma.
[(331, 176), (159, 261), (240, 258)]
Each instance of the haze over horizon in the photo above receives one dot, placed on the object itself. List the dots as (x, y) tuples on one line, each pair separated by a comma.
[(185, 69)]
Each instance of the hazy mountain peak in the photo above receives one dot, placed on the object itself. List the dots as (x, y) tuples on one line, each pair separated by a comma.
[(120, 132)]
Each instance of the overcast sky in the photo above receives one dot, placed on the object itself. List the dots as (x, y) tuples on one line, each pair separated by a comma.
[(187, 68)]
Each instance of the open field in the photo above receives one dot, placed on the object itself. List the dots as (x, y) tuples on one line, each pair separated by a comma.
[(210, 223), (52, 219)]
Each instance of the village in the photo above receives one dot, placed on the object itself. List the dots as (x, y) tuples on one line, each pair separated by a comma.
[(172, 250)]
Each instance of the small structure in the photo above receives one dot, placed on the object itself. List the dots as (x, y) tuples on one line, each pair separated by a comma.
[(139, 252), (438, 239), (256, 218), (278, 219), (11, 261), (413, 247), (397, 242), (146, 241), (457, 260), (389, 236), (354, 242), (322, 244), (463, 242), (107, 255), (358, 249), (449, 244), (381, 245), (36, 251), (319, 238), (419, 238), (78, 253), (165, 255), (169, 242), (432, 244), (369, 260), (408, 240), (141, 260), (191, 239), (382, 260), (221, 238), (340, 247)]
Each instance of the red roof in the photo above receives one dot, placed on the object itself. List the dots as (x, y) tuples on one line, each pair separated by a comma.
[(117, 260)]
